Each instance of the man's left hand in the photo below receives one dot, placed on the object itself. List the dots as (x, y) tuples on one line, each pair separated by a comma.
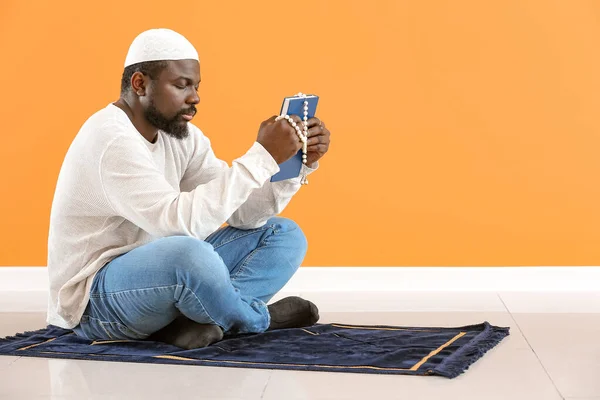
[(318, 141)]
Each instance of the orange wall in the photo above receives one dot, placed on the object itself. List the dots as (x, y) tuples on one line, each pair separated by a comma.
[(464, 132)]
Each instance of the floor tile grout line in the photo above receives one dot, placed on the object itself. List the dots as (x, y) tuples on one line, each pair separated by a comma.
[(530, 346), (262, 395), (14, 361), (505, 307)]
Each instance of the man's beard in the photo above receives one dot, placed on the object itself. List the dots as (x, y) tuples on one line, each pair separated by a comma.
[(171, 126)]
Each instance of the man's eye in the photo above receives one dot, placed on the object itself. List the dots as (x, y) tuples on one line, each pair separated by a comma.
[(180, 87)]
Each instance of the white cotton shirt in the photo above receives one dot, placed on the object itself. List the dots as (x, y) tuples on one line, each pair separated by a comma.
[(116, 191)]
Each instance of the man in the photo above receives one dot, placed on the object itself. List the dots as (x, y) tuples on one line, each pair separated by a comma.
[(137, 247)]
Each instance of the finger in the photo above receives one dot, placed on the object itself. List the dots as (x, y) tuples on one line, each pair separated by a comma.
[(317, 148), (268, 121), (286, 127), (315, 140), (315, 122), (282, 123), (296, 119), (316, 130)]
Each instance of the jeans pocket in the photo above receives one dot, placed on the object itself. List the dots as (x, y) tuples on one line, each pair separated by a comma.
[(95, 329), (120, 331)]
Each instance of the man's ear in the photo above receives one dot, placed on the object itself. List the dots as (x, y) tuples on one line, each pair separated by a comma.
[(138, 83)]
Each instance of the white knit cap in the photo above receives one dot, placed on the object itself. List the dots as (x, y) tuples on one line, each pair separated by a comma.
[(160, 44)]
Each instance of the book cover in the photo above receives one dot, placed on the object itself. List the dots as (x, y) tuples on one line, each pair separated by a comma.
[(294, 105)]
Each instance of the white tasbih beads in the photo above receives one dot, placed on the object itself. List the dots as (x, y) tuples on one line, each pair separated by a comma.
[(301, 133)]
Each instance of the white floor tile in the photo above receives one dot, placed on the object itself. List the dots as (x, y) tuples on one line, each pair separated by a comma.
[(405, 301), (23, 301), (5, 361), (11, 323), (53, 397), (567, 345), (143, 396), (555, 302), (38, 377), (582, 398), (47, 397)]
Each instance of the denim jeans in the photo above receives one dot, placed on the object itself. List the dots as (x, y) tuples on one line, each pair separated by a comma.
[(226, 279)]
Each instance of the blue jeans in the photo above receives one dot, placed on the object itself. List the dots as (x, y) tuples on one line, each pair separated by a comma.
[(225, 280)]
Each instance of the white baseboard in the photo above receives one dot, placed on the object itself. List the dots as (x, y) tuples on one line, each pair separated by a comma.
[(25, 289), (452, 279)]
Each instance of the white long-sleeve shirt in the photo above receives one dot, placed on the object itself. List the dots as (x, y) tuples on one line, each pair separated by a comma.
[(116, 191)]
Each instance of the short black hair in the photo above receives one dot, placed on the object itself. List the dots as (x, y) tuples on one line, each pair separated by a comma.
[(150, 68)]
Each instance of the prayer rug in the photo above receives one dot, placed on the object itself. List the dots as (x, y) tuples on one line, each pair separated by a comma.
[(375, 349)]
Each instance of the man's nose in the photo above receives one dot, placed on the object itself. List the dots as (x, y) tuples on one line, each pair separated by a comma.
[(193, 98)]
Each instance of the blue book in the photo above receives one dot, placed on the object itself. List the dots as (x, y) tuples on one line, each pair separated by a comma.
[(294, 105)]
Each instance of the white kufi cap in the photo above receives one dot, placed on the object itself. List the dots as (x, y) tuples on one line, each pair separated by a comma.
[(160, 44)]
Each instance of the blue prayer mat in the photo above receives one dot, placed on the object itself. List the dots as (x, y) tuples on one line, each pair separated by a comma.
[(446, 352)]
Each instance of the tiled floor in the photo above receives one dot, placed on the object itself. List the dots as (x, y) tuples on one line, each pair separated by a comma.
[(553, 352)]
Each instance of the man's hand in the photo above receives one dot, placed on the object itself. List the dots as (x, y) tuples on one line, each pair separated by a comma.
[(279, 138), (318, 141)]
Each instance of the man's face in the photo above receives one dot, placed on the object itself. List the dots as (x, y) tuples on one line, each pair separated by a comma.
[(171, 99)]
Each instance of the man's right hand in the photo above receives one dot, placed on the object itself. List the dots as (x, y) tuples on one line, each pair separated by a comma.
[(279, 138)]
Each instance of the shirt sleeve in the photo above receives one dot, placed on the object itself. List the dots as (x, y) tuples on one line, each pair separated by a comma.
[(138, 191), (263, 203), (268, 201)]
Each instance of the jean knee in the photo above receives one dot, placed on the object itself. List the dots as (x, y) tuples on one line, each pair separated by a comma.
[(292, 237), (192, 256)]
